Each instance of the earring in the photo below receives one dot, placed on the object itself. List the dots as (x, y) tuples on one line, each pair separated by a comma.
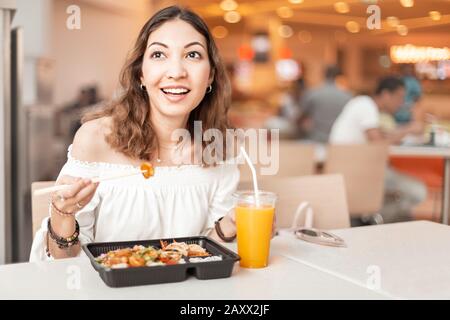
[(209, 89), (143, 87)]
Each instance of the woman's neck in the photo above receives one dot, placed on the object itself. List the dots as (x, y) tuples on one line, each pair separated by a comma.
[(169, 152), (164, 127)]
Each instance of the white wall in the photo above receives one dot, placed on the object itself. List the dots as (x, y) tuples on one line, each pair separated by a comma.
[(35, 17), (95, 53), (75, 58)]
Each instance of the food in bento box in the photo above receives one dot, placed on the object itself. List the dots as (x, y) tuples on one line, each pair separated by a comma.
[(140, 256), (188, 250)]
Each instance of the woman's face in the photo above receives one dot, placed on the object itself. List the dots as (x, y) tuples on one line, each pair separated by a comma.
[(176, 69)]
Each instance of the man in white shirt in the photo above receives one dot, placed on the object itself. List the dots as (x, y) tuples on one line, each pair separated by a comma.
[(359, 123)]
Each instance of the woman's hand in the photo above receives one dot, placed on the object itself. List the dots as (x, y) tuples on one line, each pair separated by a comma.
[(75, 197), (65, 204)]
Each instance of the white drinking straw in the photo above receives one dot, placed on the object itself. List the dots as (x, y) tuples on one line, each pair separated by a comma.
[(255, 181)]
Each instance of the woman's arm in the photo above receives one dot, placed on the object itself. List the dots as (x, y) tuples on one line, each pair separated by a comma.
[(85, 147), (62, 220), (64, 228)]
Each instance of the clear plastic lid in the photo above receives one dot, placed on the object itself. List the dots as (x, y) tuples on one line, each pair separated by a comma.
[(247, 197)]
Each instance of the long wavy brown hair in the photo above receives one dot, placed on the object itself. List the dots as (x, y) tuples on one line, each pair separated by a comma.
[(132, 132)]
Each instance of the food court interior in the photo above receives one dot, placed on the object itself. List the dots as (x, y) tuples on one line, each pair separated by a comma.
[(69, 54)]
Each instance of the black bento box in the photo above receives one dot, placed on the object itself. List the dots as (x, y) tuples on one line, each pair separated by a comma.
[(167, 273)]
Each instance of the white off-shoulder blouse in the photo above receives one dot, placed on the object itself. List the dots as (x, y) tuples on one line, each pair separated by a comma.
[(175, 202)]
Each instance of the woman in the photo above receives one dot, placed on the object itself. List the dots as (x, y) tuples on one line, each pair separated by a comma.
[(173, 77)]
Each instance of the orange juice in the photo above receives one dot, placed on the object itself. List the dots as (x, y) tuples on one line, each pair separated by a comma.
[(254, 231)]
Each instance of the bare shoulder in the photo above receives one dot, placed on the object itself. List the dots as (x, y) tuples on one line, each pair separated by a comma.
[(89, 143)]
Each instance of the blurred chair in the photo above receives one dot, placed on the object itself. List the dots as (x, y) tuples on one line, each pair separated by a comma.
[(295, 159), (39, 204), (324, 193), (363, 167)]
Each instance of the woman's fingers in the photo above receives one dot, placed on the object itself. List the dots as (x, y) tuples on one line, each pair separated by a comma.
[(71, 191), (85, 195), (67, 180), (77, 195)]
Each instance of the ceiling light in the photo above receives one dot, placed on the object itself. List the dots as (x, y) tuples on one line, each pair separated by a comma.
[(407, 3), (220, 32), (228, 5), (392, 22), (435, 15), (232, 17), (402, 30), (352, 26), (341, 7), (285, 31), (285, 12)]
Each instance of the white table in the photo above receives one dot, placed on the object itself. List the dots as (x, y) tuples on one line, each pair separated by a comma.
[(431, 152), (412, 258), (285, 278)]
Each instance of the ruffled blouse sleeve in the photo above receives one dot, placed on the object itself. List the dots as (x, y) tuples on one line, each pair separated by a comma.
[(222, 201), (85, 216)]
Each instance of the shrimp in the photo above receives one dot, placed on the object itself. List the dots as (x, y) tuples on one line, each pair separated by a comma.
[(194, 250), (136, 261), (180, 247)]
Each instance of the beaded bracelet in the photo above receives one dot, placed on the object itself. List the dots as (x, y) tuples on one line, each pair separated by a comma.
[(60, 212), (220, 232), (62, 242)]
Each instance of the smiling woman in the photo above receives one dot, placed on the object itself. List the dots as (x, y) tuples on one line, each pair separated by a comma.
[(172, 78), (166, 66), (174, 69)]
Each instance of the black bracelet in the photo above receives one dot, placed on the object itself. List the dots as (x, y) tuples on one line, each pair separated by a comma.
[(220, 232), (47, 250), (64, 243)]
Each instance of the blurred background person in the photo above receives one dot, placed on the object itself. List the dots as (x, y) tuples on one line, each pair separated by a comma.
[(413, 92), (359, 123), (290, 100), (321, 106), (288, 115)]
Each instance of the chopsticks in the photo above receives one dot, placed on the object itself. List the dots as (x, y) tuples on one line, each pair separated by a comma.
[(146, 170)]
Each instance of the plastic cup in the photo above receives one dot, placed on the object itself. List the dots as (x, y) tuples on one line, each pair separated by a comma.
[(254, 227)]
